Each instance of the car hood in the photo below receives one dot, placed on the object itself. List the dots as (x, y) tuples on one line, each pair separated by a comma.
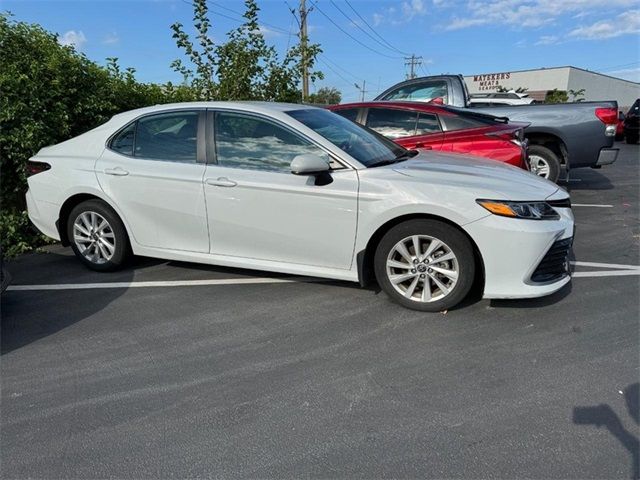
[(508, 182)]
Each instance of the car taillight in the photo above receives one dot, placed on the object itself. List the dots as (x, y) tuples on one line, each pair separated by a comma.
[(36, 167), (608, 116)]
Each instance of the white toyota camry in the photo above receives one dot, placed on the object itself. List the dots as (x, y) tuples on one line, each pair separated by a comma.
[(296, 189)]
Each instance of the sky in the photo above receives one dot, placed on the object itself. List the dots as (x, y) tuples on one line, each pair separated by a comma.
[(364, 42)]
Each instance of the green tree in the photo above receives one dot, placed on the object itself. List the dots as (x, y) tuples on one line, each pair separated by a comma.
[(326, 96), (245, 67), (556, 96), (577, 95), (201, 55)]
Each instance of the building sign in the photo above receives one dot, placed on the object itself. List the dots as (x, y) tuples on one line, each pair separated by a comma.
[(490, 81)]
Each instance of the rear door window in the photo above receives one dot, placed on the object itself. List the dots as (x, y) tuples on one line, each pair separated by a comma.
[(168, 136), (392, 123)]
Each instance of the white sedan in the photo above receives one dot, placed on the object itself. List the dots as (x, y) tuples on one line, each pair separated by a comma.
[(295, 189)]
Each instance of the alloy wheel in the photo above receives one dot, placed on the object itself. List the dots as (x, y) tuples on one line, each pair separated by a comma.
[(539, 166), (422, 268), (94, 237)]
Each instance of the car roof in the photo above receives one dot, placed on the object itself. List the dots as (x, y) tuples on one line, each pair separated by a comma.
[(405, 104), (421, 107), (268, 108)]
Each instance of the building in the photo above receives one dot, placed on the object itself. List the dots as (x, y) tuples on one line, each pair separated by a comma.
[(596, 85)]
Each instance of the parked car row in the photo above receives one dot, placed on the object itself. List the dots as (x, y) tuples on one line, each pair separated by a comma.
[(569, 135), (302, 190)]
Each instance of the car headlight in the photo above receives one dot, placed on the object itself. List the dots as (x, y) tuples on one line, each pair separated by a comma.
[(527, 210)]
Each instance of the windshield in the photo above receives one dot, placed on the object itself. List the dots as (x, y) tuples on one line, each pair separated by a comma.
[(366, 146)]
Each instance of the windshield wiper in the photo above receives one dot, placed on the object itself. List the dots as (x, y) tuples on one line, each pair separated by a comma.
[(402, 156)]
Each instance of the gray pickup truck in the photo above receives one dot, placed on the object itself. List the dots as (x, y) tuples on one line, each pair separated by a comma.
[(572, 135)]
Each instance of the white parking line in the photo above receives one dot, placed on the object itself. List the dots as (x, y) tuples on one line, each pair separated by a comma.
[(168, 283), (606, 273), (595, 205), (605, 265)]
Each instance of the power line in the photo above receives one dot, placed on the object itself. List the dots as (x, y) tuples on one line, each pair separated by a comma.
[(374, 31), (354, 23), (351, 36), (241, 15), (339, 67), (350, 82)]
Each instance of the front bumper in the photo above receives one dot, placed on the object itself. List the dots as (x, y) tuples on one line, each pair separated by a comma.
[(512, 249)]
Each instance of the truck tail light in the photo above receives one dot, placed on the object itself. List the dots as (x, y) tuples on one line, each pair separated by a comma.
[(34, 168), (608, 116)]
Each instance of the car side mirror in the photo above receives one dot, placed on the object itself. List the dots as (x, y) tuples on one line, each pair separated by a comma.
[(309, 164)]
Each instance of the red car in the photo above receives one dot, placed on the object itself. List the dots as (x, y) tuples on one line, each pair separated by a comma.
[(419, 125)]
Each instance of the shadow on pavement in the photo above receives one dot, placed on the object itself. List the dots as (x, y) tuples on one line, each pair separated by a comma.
[(586, 179), (28, 316), (603, 416), (534, 302)]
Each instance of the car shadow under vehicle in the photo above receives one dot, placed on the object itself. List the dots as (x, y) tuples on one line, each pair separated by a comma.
[(533, 302), (586, 179)]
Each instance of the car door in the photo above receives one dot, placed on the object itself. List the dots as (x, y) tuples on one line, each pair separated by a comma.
[(258, 209), (153, 169)]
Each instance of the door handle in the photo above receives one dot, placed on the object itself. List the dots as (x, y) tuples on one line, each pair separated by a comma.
[(221, 182), (118, 171)]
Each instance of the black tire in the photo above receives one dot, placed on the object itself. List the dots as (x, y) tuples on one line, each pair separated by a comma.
[(120, 238), (453, 238), (549, 157), (631, 139)]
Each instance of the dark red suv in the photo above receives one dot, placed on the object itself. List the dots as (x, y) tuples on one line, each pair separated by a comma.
[(419, 125)]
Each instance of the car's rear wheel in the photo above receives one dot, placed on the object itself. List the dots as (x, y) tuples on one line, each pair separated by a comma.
[(425, 265), (544, 163), (631, 139), (97, 236)]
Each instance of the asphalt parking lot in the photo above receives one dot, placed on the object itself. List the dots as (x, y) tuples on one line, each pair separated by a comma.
[(212, 372)]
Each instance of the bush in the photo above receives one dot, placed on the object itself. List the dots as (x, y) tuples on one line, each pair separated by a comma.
[(16, 236)]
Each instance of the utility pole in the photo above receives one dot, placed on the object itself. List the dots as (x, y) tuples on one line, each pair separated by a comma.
[(303, 50), (413, 62), (362, 90)]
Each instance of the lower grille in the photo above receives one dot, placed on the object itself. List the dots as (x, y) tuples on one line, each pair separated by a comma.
[(555, 263)]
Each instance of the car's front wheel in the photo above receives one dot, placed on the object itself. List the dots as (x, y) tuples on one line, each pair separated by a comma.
[(425, 265), (97, 236)]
